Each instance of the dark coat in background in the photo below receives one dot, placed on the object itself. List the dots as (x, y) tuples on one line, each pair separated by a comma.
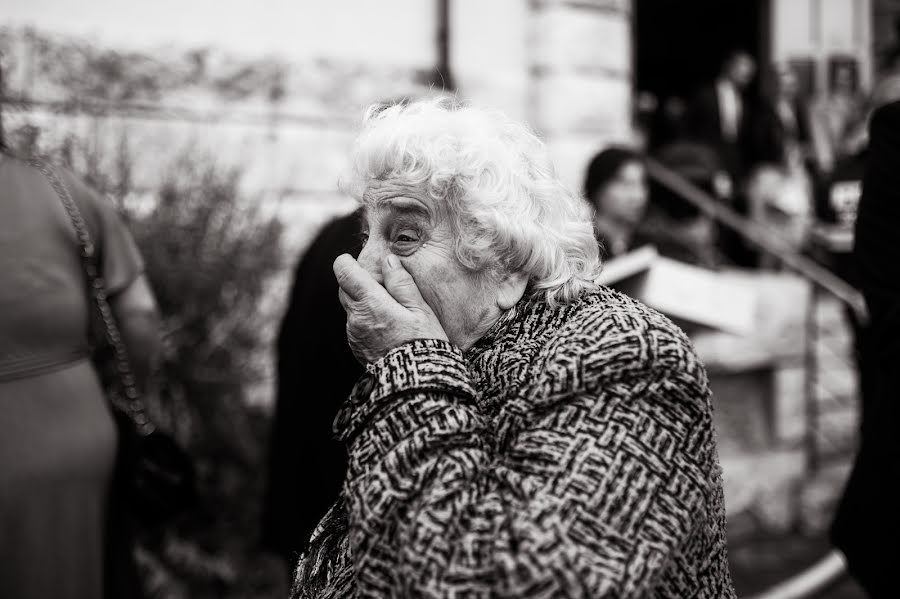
[(704, 125), (316, 372), (867, 524), (769, 135)]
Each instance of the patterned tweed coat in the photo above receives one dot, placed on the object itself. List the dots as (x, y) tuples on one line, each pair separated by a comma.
[(569, 453)]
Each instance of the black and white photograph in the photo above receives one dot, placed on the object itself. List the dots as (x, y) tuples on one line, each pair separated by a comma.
[(336, 299)]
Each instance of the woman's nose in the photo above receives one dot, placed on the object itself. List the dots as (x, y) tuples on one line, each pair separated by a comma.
[(370, 259)]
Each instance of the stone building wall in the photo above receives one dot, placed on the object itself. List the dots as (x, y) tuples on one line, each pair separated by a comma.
[(582, 79), (563, 66)]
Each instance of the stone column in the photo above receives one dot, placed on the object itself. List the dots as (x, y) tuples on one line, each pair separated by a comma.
[(581, 73)]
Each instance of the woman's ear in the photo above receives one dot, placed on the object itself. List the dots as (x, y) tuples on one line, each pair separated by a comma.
[(510, 289)]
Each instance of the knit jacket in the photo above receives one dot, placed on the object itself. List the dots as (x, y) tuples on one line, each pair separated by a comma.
[(569, 453)]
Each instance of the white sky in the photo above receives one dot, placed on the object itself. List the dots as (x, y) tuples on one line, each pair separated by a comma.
[(400, 32)]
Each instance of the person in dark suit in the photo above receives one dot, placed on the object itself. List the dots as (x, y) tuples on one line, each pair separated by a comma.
[(867, 524), (316, 372), (781, 131), (720, 114)]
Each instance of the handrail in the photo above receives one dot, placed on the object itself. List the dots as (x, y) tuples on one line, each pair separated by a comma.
[(758, 236), (816, 579)]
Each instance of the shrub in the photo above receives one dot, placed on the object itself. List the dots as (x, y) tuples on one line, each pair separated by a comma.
[(210, 256)]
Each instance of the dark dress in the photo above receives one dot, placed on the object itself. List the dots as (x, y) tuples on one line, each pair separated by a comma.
[(58, 444), (867, 524), (316, 372), (771, 135)]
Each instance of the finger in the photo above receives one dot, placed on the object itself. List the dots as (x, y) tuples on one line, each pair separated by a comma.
[(342, 297), (400, 284), (353, 278)]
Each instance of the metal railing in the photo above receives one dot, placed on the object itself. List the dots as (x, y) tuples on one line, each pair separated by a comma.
[(831, 569), (757, 235)]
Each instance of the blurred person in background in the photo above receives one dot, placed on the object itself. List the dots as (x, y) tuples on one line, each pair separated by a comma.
[(867, 524), (886, 89), (644, 109), (677, 228), (720, 113), (667, 123), (519, 431), (627, 215), (782, 130), (843, 112), (721, 117), (780, 189), (616, 189), (837, 203), (316, 372), (840, 110), (62, 530)]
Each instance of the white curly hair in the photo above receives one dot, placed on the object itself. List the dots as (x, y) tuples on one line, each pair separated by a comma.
[(508, 210)]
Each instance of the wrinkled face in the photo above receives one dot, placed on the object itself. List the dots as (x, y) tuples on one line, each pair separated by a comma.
[(401, 220), (624, 198)]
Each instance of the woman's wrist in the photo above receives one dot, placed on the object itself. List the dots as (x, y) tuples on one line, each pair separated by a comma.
[(417, 366)]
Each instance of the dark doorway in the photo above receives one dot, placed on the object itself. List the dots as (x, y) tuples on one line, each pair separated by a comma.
[(680, 44)]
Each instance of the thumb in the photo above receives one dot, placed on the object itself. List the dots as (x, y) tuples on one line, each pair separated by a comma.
[(400, 284)]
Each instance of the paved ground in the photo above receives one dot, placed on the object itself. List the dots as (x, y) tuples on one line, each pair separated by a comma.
[(760, 554)]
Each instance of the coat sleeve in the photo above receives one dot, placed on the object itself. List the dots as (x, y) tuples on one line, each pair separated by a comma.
[(591, 487)]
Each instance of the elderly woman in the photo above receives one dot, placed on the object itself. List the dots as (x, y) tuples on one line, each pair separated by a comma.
[(520, 431)]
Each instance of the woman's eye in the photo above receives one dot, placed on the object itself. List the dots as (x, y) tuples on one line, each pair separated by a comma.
[(406, 237), (406, 241)]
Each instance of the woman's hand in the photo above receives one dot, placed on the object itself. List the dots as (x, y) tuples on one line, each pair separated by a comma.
[(382, 318)]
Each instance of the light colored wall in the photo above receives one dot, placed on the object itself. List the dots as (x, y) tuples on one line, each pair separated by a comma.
[(564, 67), (581, 65), (396, 32), (490, 53), (819, 28)]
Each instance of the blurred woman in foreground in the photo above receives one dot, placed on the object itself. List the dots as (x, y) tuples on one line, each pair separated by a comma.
[(60, 536)]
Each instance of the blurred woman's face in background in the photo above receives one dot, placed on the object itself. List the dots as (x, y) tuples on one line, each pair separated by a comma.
[(741, 70), (843, 80), (786, 81), (624, 198)]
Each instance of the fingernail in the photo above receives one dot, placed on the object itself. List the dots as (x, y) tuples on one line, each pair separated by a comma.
[(392, 261)]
